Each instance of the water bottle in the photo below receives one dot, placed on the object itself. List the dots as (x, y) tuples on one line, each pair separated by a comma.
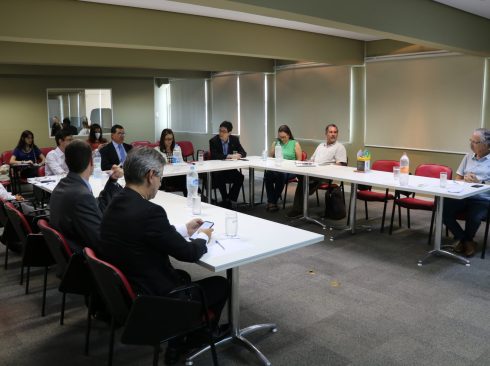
[(97, 164), (264, 155), (404, 169), (192, 184), (278, 153), (177, 155)]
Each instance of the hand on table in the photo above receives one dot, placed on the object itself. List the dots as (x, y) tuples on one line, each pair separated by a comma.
[(471, 178)]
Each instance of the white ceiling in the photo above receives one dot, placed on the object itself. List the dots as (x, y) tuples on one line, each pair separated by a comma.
[(478, 7), (177, 7)]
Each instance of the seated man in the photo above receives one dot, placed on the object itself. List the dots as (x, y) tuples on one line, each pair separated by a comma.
[(68, 127), (328, 152), (222, 147), (55, 159), (74, 211), (115, 152), (137, 237), (475, 168)]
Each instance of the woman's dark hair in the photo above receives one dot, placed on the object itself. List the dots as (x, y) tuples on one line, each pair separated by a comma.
[(286, 130), (91, 135), (165, 132), (22, 144)]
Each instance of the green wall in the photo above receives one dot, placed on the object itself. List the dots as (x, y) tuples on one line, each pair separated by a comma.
[(24, 106)]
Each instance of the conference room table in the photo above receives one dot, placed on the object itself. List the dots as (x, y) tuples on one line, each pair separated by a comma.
[(378, 179), (250, 245)]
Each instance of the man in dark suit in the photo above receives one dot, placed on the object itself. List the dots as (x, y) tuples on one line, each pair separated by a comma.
[(68, 127), (137, 237), (226, 146), (114, 153), (74, 211)]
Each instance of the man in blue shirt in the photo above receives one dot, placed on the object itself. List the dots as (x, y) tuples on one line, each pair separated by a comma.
[(115, 152), (475, 168)]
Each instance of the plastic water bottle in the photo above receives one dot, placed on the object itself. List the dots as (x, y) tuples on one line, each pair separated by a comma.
[(97, 164), (278, 153), (264, 155), (404, 169), (192, 185), (177, 155)]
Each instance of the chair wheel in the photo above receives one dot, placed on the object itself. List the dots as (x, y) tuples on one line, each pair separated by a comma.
[(189, 363), (274, 330)]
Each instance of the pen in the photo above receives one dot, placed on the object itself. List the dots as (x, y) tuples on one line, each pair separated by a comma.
[(222, 247)]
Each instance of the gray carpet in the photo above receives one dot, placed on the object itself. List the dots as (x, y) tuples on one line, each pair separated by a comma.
[(359, 300)]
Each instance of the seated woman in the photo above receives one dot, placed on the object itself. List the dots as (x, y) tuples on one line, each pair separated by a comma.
[(275, 181), (475, 168), (27, 154), (166, 148), (95, 138)]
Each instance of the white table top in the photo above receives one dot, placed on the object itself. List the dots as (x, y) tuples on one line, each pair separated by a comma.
[(258, 238), (206, 166), (417, 184)]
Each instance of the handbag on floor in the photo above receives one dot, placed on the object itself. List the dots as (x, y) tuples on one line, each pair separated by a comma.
[(334, 204)]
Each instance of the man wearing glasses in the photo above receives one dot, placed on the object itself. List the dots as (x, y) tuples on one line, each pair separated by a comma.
[(115, 152), (475, 168)]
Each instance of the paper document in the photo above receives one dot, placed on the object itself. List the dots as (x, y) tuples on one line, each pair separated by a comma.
[(305, 163), (226, 246)]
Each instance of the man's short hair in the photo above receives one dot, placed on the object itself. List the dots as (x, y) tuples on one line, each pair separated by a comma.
[(77, 156), (66, 121), (227, 125), (139, 162), (61, 135), (331, 125), (116, 127)]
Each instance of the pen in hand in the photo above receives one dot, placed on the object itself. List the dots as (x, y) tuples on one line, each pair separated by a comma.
[(222, 247)]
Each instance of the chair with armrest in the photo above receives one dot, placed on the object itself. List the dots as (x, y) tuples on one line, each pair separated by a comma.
[(367, 195), (412, 203), (147, 320), (71, 267), (34, 250), (9, 237), (140, 143), (187, 149)]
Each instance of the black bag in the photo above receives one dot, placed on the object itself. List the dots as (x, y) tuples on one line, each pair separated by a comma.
[(334, 204)]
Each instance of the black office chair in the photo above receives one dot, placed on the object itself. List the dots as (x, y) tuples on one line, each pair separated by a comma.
[(147, 320)]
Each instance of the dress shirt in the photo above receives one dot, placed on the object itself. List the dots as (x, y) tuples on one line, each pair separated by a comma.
[(479, 167), (333, 153), (225, 146), (7, 196), (55, 162)]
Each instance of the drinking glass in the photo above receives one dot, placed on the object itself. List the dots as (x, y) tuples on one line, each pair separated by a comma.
[(443, 179), (231, 224), (396, 174), (235, 155), (196, 205), (200, 157)]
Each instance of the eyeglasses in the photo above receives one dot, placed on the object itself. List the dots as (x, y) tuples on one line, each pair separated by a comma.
[(475, 142)]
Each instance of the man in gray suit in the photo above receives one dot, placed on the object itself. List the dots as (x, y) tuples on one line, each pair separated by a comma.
[(74, 211)]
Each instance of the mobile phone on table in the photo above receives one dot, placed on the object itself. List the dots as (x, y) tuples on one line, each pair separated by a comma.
[(204, 225), (477, 185)]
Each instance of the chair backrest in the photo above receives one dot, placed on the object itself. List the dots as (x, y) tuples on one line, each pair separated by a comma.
[(41, 172), (6, 155), (59, 248), (153, 145), (45, 150), (187, 149), (113, 286), (18, 221), (3, 213), (140, 143), (433, 170), (304, 156), (385, 165)]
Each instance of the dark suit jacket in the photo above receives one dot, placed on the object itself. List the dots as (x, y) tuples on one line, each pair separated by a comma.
[(109, 155), (137, 238), (76, 213), (216, 149)]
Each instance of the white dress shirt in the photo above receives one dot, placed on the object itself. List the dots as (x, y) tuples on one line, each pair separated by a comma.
[(55, 162), (4, 194), (333, 153)]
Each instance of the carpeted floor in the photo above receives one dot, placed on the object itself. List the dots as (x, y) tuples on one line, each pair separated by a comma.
[(358, 300)]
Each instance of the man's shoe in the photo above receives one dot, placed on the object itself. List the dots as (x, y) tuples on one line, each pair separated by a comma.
[(459, 247), (293, 214), (172, 355), (470, 248), (274, 208)]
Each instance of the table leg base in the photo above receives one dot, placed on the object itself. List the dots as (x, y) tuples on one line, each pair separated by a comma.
[(310, 220), (347, 229), (444, 253), (238, 339)]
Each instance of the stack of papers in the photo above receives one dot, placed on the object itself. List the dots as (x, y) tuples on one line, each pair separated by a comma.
[(305, 163)]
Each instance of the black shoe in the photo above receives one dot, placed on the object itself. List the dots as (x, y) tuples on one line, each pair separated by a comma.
[(172, 355)]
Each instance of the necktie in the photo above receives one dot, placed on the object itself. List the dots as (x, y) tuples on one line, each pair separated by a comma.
[(122, 154)]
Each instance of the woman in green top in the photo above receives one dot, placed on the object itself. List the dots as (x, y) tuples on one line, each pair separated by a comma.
[(275, 181)]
